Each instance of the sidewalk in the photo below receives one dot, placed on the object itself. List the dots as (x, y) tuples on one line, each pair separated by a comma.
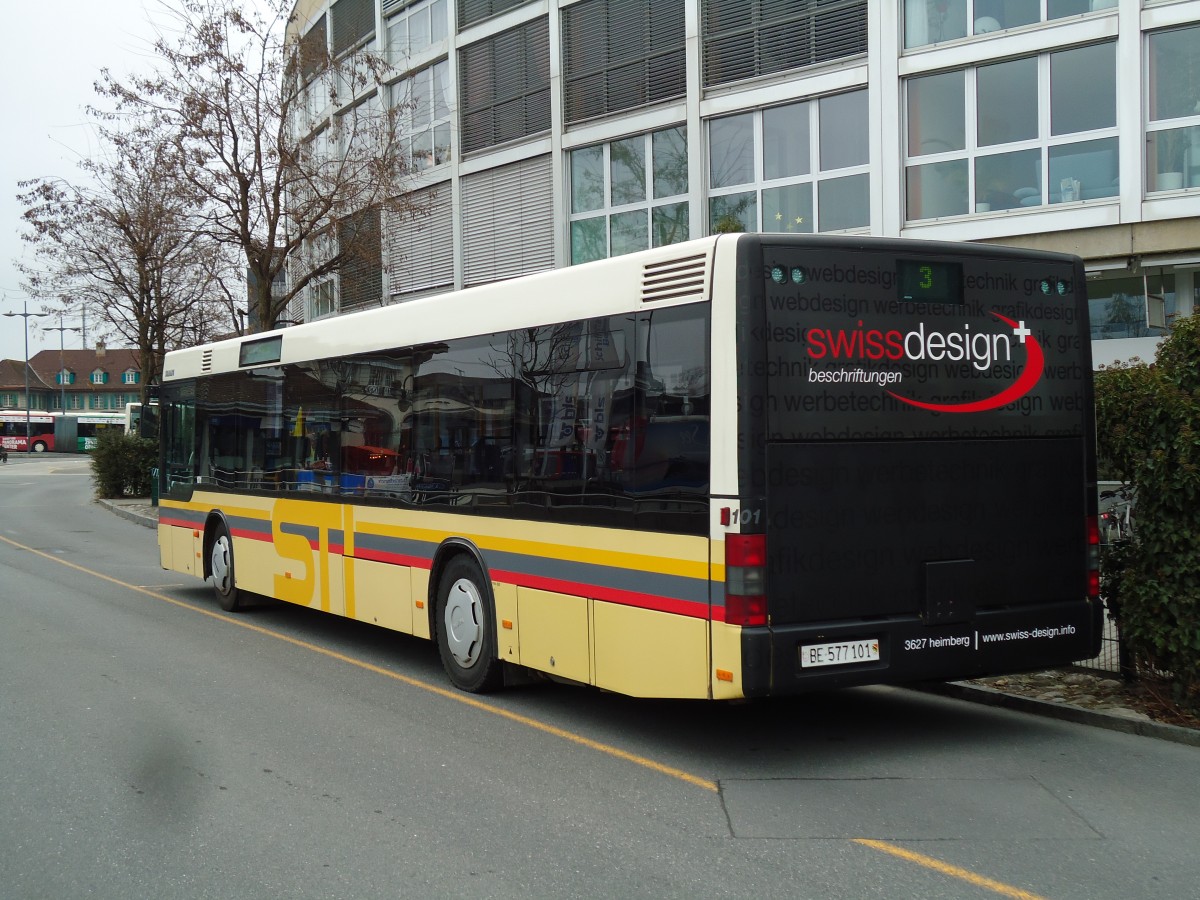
[(1058, 694)]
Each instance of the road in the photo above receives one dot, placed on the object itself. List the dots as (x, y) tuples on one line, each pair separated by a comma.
[(154, 746)]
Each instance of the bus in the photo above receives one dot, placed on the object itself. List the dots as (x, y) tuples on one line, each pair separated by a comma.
[(13, 423), (88, 426), (746, 466), (142, 422)]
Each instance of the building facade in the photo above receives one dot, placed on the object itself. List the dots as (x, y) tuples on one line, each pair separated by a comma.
[(554, 132), (80, 381)]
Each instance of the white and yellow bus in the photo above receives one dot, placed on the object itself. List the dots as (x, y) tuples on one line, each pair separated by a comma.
[(743, 466)]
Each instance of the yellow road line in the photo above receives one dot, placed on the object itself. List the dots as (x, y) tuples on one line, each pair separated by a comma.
[(458, 697), (999, 887)]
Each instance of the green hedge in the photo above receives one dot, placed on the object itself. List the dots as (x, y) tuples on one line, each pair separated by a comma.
[(121, 464), (1148, 435)]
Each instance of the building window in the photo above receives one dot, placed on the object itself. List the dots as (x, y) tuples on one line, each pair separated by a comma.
[(423, 102), (360, 274), (1117, 306), (1173, 103), (629, 195), (504, 86), (352, 20), (130, 376), (802, 167), (472, 11), (621, 55), (934, 21), (415, 29), (748, 38), (1018, 133), (322, 299)]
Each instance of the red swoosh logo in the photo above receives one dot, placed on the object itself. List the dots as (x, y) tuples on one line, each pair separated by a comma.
[(1035, 362)]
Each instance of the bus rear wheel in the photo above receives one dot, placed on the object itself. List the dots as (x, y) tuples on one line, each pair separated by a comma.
[(39, 446), (220, 561), (466, 626)]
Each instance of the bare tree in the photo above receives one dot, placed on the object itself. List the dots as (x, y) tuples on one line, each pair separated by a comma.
[(294, 149), (123, 243)]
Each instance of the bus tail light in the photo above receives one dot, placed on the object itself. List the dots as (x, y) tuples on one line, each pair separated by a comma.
[(746, 579), (1093, 558)]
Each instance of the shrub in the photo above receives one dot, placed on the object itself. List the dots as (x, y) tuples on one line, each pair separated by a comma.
[(1148, 435), (121, 464)]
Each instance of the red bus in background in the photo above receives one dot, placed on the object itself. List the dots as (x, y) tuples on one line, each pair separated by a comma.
[(13, 430)]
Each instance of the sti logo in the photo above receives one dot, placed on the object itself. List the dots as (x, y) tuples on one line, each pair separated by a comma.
[(980, 349)]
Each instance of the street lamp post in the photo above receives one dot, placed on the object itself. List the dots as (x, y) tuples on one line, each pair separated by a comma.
[(26, 315), (62, 381)]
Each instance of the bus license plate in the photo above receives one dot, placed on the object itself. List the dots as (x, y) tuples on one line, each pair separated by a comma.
[(839, 653)]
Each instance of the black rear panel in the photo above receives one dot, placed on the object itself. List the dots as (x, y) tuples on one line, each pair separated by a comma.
[(916, 423), (929, 528)]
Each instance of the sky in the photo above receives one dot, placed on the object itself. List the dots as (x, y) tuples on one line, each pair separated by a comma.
[(53, 56)]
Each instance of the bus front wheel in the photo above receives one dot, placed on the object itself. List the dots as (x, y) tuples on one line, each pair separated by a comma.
[(39, 446), (466, 629), (220, 562)]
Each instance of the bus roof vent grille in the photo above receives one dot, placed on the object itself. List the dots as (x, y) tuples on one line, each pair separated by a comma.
[(206, 361), (673, 279)]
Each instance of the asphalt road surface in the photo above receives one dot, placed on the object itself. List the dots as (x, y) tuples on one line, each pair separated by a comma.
[(154, 746)]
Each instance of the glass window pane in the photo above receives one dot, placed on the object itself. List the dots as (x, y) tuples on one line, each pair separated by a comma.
[(1008, 180), (1083, 171), (629, 233), (669, 224), (937, 189), (994, 16), (785, 141), (398, 39), (441, 144), (731, 150), (628, 170), (931, 21), (669, 148), (1173, 159), (422, 99), (441, 90), (788, 209), (1083, 89), (844, 132), (1117, 306), (1175, 73), (588, 240), (1058, 9), (440, 22), (733, 213), (936, 113), (1007, 108), (418, 30), (587, 179), (844, 202)]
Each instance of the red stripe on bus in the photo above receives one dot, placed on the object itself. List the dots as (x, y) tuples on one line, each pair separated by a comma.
[(252, 535), (395, 559), (626, 598)]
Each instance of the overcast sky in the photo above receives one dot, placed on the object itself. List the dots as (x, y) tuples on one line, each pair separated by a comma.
[(53, 55)]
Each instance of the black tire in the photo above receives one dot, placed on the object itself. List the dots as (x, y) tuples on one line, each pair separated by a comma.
[(220, 562), (39, 446), (466, 629)]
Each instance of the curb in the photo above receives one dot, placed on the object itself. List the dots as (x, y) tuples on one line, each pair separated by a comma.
[(131, 514), (1062, 711)]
